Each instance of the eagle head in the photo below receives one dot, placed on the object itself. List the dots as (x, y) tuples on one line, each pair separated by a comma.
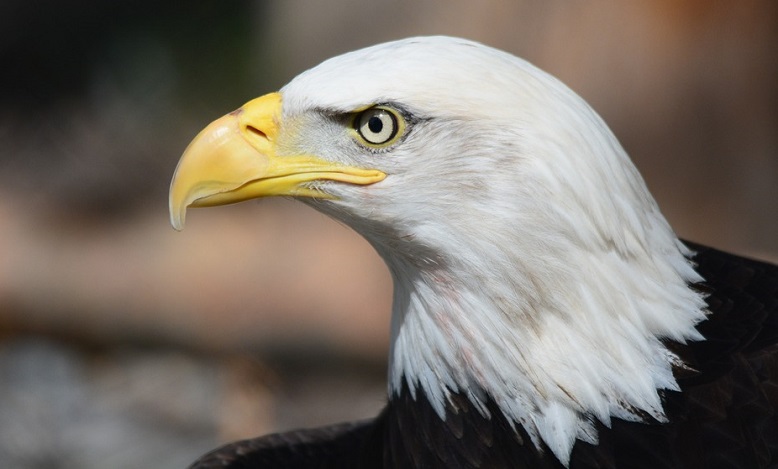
[(531, 264)]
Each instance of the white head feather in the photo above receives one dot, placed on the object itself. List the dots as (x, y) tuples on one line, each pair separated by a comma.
[(531, 264)]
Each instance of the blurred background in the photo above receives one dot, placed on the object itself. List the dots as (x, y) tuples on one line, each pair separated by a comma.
[(126, 344)]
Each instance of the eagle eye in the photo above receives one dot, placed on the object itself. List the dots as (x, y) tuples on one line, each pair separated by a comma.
[(378, 126)]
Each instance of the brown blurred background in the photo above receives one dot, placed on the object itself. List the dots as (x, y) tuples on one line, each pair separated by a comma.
[(126, 344)]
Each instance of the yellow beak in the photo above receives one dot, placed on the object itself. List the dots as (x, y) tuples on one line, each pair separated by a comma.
[(234, 159)]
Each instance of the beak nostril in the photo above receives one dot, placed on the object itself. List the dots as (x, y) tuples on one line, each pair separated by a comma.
[(256, 131)]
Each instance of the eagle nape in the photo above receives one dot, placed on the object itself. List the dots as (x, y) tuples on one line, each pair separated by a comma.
[(545, 313)]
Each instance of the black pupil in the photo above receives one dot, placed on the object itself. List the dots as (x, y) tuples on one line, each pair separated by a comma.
[(375, 124)]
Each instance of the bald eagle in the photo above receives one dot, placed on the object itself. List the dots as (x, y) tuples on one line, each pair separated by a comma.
[(544, 314)]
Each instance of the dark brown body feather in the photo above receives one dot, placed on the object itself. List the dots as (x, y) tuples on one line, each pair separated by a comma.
[(724, 417)]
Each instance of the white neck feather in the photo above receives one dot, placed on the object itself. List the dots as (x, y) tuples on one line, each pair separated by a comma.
[(556, 332), (554, 347)]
